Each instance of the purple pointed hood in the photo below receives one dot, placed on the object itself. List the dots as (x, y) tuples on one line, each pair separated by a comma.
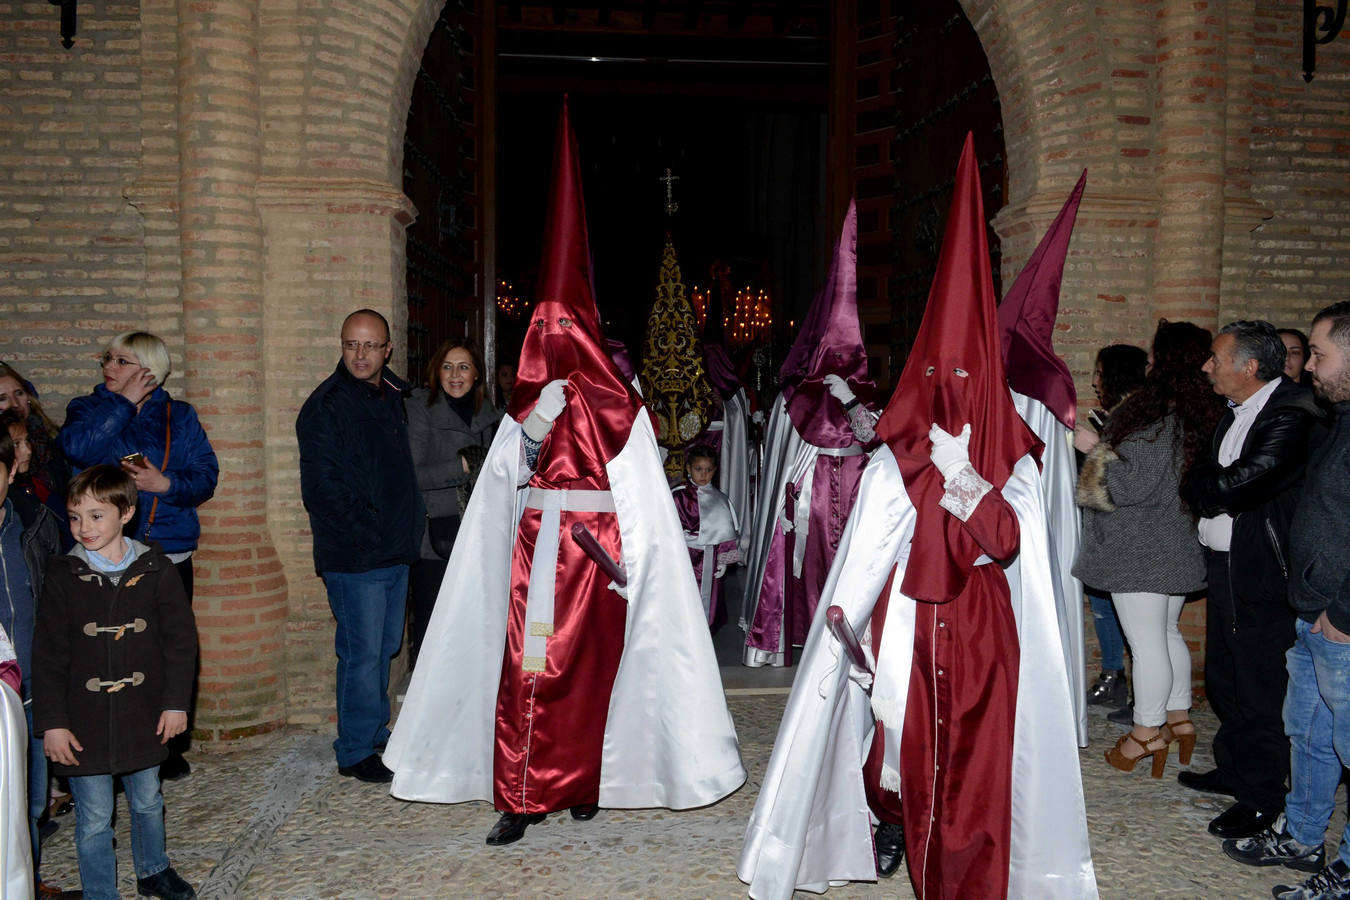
[(1026, 320), (829, 342)]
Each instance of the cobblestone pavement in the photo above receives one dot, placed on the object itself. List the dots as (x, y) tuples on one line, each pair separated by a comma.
[(276, 821)]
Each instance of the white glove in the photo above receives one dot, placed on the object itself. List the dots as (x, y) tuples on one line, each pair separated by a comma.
[(950, 454), (757, 417), (720, 571), (838, 389), (621, 591), (548, 407)]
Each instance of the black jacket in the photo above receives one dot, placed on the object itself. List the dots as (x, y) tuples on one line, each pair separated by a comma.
[(1259, 490), (80, 650), (1319, 561), (356, 474)]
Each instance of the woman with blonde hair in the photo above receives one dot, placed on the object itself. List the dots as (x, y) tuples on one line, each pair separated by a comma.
[(130, 420)]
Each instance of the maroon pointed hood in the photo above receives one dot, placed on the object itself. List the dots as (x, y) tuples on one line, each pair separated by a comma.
[(829, 342), (1026, 320), (953, 376), (564, 339)]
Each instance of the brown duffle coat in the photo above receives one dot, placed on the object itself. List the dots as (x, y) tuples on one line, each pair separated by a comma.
[(109, 659)]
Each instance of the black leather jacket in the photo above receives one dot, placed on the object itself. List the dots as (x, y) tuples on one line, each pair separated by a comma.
[(1259, 490)]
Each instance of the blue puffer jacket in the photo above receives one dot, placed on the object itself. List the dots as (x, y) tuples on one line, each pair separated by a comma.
[(103, 427)]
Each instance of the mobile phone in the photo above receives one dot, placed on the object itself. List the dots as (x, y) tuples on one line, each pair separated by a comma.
[(135, 459), (1097, 418)]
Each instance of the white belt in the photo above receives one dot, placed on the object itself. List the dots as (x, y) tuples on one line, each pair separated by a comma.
[(716, 426), (574, 501), (544, 564), (802, 514)]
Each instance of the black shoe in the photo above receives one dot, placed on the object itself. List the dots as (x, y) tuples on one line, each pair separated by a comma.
[(165, 885), (46, 830), (585, 811), (1123, 716), (1211, 782), (174, 767), (371, 769), (1240, 821), (890, 845), (1276, 847), (511, 827), (1331, 883), (1109, 688)]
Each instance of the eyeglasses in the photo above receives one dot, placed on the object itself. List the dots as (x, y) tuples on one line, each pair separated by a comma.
[(368, 346), (121, 362)]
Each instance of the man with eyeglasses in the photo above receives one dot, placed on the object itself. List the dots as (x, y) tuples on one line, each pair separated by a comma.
[(365, 512)]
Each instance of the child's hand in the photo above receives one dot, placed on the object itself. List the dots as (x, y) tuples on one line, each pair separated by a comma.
[(60, 745), (171, 724)]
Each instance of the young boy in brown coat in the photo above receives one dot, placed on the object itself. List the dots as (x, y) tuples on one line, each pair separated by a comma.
[(114, 656)]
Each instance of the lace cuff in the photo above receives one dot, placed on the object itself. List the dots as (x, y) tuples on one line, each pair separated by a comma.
[(529, 457), (863, 422), (963, 492), (730, 557)]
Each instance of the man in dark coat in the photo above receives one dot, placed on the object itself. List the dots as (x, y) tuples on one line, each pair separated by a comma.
[(1245, 491), (366, 515)]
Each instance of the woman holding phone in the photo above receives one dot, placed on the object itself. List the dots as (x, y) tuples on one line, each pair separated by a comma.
[(131, 421)]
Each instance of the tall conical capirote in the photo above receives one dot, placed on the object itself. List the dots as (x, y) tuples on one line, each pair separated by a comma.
[(1026, 319), (564, 339), (829, 342), (954, 376)]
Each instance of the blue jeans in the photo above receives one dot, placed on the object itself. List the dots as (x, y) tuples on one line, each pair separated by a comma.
[(94, 801), (1317, 720), (369, 610), (37, 786), (1108, 631)]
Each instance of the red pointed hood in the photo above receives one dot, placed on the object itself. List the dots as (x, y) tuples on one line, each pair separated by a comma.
[(565, 340), (829, 342), (1026, 320), (953, 376)]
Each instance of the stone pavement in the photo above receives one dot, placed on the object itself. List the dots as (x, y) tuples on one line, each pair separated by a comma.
[(276, 821)]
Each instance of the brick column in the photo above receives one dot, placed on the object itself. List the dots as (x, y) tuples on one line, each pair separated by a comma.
[(241, 597), (1190, 114)]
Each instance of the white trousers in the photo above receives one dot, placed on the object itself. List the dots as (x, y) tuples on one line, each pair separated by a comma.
[(1161, 661)]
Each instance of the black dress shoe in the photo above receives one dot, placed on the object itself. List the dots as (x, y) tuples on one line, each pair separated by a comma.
[(1109, 688), (511, 827), (585, 811), (1211, 782), (1240, 821), (371, 769), (1123, 716), (890, 844), (165, 885), (174, 767)]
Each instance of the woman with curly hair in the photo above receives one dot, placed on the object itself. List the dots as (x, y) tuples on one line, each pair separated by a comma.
[(1139, 540)]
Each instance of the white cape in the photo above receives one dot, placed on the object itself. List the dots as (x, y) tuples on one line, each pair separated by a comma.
[(811, 825), (787, 459), (16, 850), (669, 739), (734, 464), (1059, 478)]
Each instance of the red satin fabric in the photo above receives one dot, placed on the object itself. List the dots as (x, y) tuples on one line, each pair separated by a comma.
[(958, 332), (956, 749), (551, 724)]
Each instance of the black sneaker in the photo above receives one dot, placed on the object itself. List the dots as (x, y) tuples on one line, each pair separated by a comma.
[(165, 885), (1109, 688), (371, 769), (1276, 847), (1331, 883)]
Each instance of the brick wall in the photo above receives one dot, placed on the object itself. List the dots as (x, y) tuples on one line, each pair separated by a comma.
[(110, 151)]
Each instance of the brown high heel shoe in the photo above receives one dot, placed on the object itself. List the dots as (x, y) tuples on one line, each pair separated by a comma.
[(1117, 757), (1185, 739)]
